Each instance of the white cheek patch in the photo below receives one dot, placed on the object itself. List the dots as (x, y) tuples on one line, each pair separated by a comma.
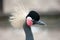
[(29, 18)]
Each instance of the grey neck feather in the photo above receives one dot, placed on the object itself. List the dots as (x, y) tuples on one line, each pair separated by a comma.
[(28, 32)]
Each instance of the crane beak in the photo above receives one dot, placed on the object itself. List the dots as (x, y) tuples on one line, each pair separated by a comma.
[(39, 22)]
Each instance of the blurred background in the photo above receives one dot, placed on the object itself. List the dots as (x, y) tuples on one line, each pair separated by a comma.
[(48, 9)]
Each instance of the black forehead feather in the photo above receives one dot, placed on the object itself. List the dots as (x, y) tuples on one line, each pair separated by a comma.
[(34, 15)]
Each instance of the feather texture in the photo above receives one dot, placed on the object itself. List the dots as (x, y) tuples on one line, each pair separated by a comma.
[(18, 17)]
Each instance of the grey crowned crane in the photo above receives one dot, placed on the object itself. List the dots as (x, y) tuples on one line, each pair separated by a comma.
[(31, 18)]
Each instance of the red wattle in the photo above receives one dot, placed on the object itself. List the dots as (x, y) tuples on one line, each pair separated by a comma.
[(29, 23)]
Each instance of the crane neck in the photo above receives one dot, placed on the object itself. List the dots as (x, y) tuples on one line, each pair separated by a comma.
[(28, 32)]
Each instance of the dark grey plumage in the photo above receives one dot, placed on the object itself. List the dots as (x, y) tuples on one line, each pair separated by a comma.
[(28, 32)]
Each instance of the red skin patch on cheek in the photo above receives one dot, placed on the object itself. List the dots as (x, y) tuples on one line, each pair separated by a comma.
[(29, 23)]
